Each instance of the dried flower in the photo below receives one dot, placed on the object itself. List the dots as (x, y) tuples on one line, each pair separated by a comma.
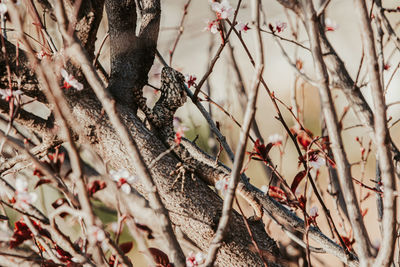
[(96, 234)]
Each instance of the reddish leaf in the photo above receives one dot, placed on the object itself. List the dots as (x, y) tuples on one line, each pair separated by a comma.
[(42, 181), (126, 247), (160, 258), (260, 151), (277, 193), (348, 242), (37, 172), (22, 232), (304, 137), (64, 256), (297, 179), (96, 186)]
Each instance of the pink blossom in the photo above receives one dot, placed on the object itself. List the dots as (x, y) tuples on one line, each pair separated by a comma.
[(222, 9), (70, 81), (212, 26), (280, 26), (195, 260), (242, 27)]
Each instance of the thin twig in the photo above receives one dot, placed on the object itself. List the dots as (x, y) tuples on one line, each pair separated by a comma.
[(241, 147), (331, 120), (385, 255)]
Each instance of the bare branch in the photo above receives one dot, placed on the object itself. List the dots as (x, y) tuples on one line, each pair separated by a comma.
[(382, 140), (328, 109)]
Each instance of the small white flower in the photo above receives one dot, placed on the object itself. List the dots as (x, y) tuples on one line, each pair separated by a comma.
[(222, 185), (264, 188), (70, 81), (316, 161), (21, 184), (376, 244), (280, 26), (313, 211), (96, 234), (212, 26), (223, 9), (275, 139), (124, 179), (23, 198), (7, 94), (242, 27), (331, 25), (195, 260), (126, 188), (3, 9), (114, 227)]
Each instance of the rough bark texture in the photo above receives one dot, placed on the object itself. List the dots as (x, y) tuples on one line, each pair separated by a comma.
[(196, 216), (131, 55), (195, 211)]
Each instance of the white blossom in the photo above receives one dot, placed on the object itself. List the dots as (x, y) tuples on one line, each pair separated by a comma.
[(69, 80), (222, 185), (316, 161), (313, 211), (23, 198), (331, 25), (223, 9), (124, 179), (7, 94), (212, 26), (275, 139), (195, 260), (280, 26), (242, 27), (96, 234), (3, 9), (264, 188)]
